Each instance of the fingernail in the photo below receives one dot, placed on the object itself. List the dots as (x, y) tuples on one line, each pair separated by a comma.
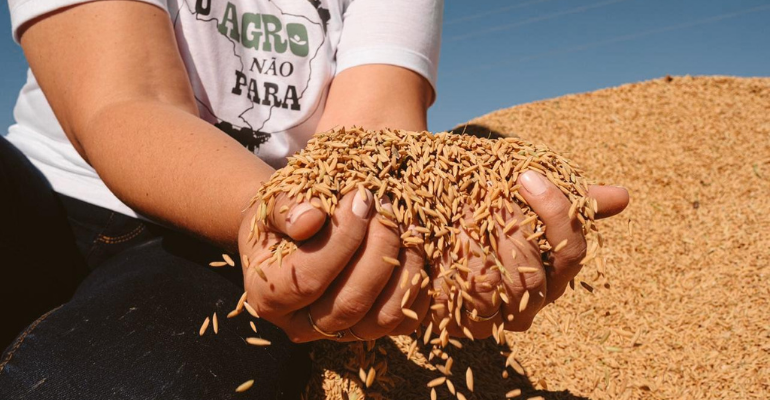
[(298, 210), (533, 182), (413, 230), (362, 204)]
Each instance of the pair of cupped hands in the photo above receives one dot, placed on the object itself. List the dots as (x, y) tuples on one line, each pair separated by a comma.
[(338, 284)]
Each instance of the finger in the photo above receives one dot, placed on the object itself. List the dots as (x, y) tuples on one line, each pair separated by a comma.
[(386, 314), (298, 326), (299, 221), (550, 204), (420, 306), (611, 200), (301, 277), (474, 269), (525, 275), (355, 290), (450, 311), (467, 282)]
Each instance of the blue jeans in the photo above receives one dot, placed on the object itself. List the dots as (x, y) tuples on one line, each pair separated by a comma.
[(99, 305)]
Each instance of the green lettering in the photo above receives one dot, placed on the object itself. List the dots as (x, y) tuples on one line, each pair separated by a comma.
[(272, 25), (253, 39), (231, 16)]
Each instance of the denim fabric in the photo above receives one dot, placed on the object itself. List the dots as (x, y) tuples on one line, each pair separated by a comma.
[(101, 233), (40, 266), (130, 329)]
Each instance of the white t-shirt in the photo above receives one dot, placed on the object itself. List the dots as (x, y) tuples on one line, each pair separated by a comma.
[(260, 70)]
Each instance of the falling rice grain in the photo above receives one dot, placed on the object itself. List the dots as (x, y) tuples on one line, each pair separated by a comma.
[(513, 393), (204, 327), (524, 301), (405, 298), (253, 327), (469, 379), (450, 386), (251, 310), (255, 341), (409, 313), (437, 382), (370, 377), (228, 260), (560, 246), (391, 261), (244, 386), (215, 323)]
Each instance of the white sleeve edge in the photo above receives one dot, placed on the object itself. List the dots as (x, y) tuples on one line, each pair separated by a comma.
[(27, 10), (391, 55)]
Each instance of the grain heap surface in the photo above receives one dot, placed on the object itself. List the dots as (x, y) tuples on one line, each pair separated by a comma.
[(683, 311)]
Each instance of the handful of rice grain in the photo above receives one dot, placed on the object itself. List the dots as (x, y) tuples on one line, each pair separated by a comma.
[(431, 181)]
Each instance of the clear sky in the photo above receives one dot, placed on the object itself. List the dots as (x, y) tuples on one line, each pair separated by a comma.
[(499, 53)]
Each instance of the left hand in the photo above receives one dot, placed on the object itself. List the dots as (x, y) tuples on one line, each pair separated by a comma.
[(544, 284)]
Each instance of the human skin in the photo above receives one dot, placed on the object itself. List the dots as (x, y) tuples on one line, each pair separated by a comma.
[(123, 97)]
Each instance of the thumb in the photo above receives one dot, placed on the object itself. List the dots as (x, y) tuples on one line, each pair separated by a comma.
[(611, 200), (299, 221)]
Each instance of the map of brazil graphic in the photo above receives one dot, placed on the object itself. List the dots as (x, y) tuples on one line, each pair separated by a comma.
[(254, 65)]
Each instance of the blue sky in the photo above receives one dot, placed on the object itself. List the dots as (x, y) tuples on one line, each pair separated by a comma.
[(499, 53)]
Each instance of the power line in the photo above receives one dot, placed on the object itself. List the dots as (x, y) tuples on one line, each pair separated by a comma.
[(617, 39), (533, 20), (491, 12)]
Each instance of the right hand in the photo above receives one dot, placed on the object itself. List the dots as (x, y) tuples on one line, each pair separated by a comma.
[(337, 274)]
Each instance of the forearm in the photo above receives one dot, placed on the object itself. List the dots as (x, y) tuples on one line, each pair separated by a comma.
[(172, 166), (377, 97)]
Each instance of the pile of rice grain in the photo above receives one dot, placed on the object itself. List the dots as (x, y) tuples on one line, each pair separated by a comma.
[(685, 314)]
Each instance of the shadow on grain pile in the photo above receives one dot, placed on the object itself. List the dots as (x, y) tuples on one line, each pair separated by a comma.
[(479, 355)]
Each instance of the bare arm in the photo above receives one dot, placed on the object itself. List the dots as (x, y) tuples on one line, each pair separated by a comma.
[(123, 97), (116, 82)]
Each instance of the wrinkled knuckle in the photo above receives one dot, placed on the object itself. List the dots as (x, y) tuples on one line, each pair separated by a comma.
[(573, 254), (533, 280), (554, 210), (349, 312), (389, 319), (386, 239), (306, 288), (348, 238), (490, 282)]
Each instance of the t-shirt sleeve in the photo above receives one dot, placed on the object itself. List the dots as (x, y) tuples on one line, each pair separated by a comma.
[(23, 11), (405, 33)]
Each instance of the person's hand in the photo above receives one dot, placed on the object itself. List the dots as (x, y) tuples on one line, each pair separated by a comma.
[(524, 274), (342, 276)]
